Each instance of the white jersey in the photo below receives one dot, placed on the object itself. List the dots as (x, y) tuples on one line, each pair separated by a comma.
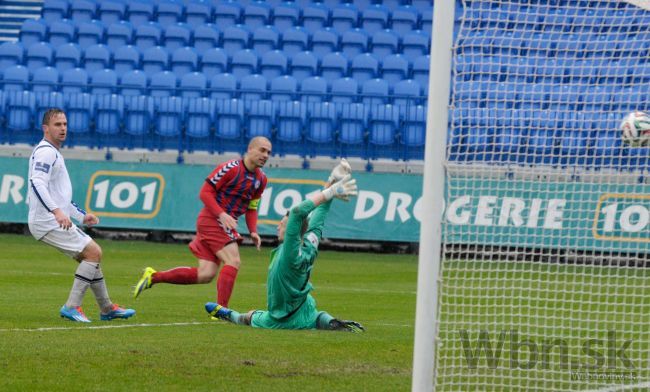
[(49, 188)]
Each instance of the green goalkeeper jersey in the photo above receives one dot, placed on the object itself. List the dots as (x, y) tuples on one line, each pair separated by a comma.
[(288, 284)]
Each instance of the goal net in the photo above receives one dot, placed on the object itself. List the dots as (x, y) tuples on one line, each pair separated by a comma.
[(545, 273)]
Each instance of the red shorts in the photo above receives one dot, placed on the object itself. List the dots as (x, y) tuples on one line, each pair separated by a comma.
[(211, 238)]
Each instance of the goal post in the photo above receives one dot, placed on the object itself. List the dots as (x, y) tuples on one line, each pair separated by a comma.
[(535, 275)]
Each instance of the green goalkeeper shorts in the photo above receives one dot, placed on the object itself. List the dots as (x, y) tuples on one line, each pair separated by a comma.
[(304, 318)]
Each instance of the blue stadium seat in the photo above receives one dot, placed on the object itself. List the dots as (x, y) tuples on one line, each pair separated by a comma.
[(564, 96), (375, 92), (542, 138), (126, 58), (109, 111), (285, 16), (227, 13), (256, 14), (394, 69), (193, 85), (67, 56), (364, 67), (147, 36), (321, 129), (294, 40), (168, 123), (253, 88), (163, 84), (55, 10), (140, 12), (426, 19), (31, 32), (38, 55), (184, 60), (324, 41), (260, 119), (169, 12), (230, 120), (138, 121), (206, 36), (244, 63), (175, 36), (291, 118), (198, 12), (133, 83), (413, 132), (74, 81), (315, 16), (313, 89), (61, 32), (383, 126), (479, 135), (420, 71), (119, 34), (345, 17), (19, 114), (303, 65), (374, 18), (111, 12), (11, 53), (103, 82), (273, 64), (534, 96), (354, 42), (283, 88), (352, 130), (154, 60), (199, 120), (97, 57), (265, 39), (404, 20), (223, 86), (575, 138), (90, 33), (235, 38), (45, 80), (607, 150), (597, 98), (214, 61), (80, 112), (83, 10), (384, 43), (415, 44), (345, 90), (334, 66), (502, 96), (407, 93)]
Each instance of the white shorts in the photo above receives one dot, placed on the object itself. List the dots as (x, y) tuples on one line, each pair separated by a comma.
[(69, 242)]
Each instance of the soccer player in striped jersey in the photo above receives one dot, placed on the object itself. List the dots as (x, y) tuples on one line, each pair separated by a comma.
[(50, 209), (288, 286), (233, 189)]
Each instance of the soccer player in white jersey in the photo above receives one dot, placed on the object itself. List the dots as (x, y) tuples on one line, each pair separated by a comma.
[(50, 209)]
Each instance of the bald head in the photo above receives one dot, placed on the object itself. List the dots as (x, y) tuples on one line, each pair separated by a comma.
[(259, 151)]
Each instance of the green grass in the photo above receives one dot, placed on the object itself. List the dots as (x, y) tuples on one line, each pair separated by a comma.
[(154, 352), (171, 345)]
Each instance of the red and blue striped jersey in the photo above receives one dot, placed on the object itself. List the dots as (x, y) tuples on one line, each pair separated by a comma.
[(238, 189)]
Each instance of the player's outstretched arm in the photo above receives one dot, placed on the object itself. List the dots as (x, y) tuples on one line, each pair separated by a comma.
[(346, 326)]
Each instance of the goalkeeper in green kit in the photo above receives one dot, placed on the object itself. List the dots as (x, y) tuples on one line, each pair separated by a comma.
[(290, 304)]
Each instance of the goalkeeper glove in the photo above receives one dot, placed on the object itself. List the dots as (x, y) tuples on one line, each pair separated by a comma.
[(346, 325), (340, 171), (342, 189)]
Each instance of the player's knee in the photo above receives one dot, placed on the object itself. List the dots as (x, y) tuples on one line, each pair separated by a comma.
[(92, 252), (234, 262), (205, 276)]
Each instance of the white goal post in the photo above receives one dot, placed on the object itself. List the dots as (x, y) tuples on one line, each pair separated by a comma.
[(535, 275)]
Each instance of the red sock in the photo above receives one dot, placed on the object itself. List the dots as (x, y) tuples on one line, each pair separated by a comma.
[(225, 284), (179, 275)]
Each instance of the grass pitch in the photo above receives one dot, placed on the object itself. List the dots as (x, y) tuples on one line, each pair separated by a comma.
[(171, 344)]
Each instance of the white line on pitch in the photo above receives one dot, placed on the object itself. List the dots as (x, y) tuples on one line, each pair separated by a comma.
[(618, 388), (82, 327)]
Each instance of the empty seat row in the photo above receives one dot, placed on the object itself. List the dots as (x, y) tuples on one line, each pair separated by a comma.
[(223, 86), (315, 16), (380, 131), (393, 68), (231, 39)]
